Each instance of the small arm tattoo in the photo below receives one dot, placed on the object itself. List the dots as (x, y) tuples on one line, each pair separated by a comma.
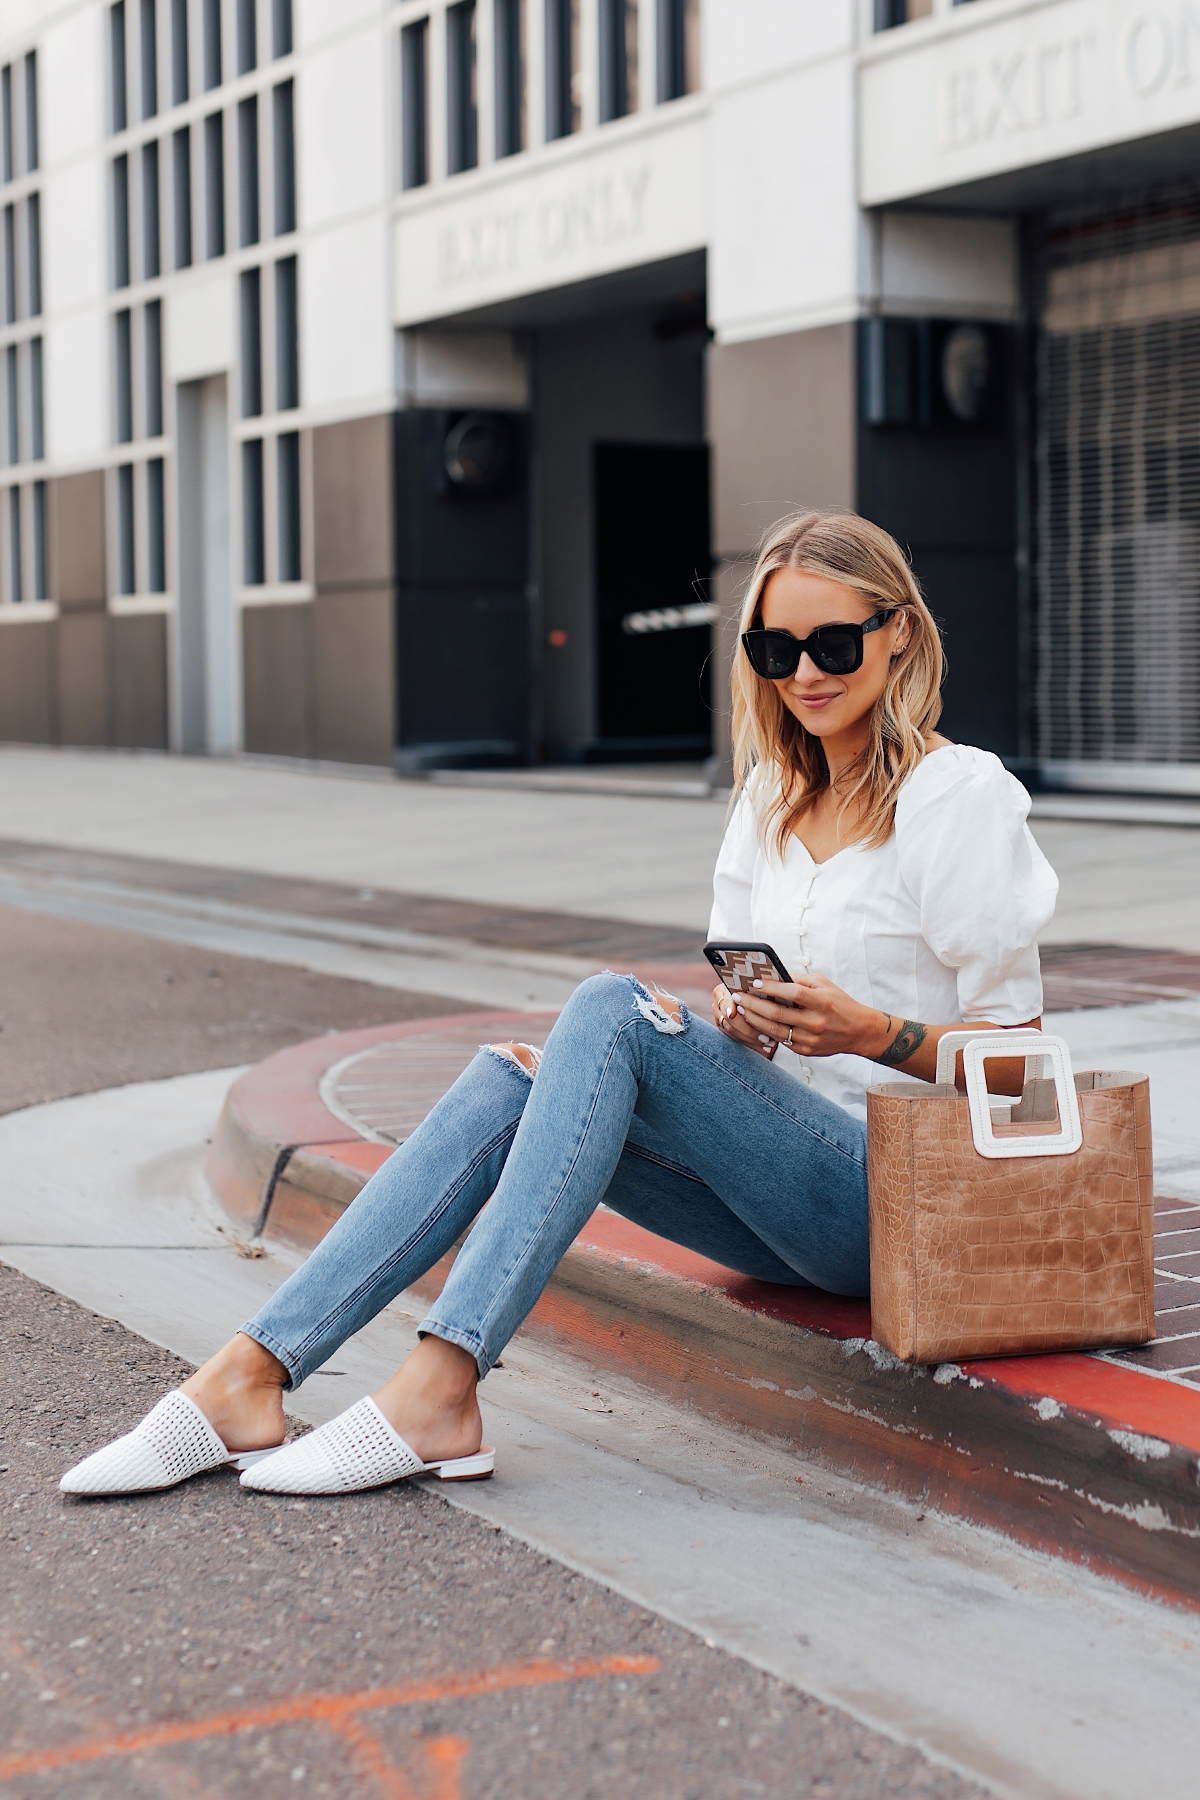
[(906, 1043)]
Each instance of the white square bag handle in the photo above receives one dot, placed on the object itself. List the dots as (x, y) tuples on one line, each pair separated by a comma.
[(976, 1047)]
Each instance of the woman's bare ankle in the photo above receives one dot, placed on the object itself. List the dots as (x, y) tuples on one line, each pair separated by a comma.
[(431, 1401), (240, 1393)]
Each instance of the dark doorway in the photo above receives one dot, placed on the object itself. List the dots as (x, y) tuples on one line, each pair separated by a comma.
[(462, 552), (654, 636)]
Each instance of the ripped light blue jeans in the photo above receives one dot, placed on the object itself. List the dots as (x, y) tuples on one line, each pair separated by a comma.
[(666, 1121)]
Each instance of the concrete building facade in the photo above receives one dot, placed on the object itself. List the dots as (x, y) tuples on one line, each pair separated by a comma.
[(409, 383)]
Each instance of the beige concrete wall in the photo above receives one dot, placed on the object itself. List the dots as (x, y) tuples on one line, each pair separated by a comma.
[(354, 659), (277, 679), (76, 579), (782, 424), (352, 502), (27, 691), (137, 660), (81, 654), (353, 681), (781, 419), (75, 539), (83, 678)]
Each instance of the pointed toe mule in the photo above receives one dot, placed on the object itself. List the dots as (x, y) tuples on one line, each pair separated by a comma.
[(357, 1450), (173, 1442)]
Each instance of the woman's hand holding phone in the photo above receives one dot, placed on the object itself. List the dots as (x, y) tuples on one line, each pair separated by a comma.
[(810, 1015)]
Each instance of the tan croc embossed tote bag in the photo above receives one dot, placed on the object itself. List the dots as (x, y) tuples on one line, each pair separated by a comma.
[(1002, 1227)]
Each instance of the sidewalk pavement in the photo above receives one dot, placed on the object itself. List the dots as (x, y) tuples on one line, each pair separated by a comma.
[(644, 859), (1127, 1008), (105, 1198), (1091, 1456)]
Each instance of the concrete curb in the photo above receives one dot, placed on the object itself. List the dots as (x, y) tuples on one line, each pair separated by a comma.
[(1091, 1460)]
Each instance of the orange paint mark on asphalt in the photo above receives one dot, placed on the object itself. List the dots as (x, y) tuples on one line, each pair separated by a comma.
[(368, 1757), (445, 1756), (336, 1711), (443, 1761)]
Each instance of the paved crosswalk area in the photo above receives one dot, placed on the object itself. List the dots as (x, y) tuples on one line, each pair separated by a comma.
[(644, 858)]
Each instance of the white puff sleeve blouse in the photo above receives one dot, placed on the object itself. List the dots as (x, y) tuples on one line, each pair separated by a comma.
[(938, 924)]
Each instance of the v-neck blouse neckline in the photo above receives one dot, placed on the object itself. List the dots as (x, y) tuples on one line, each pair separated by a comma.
[(858, 844)]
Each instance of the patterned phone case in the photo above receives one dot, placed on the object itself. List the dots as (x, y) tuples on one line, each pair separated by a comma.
[(741, 965)]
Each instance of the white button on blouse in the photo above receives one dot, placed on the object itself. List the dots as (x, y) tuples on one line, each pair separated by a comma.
[(939, 924)]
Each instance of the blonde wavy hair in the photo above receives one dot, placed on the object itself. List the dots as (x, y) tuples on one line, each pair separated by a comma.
[(768, 738)]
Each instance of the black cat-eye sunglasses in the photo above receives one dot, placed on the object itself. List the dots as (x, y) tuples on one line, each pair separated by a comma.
[(836, 649)]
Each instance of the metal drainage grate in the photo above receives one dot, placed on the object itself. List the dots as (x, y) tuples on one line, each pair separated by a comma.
[(384, 1092)]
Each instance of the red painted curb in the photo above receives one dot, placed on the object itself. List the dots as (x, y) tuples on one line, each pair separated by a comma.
[(1091, 1460)]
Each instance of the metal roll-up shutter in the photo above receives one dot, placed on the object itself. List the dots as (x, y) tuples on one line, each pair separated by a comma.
[(1117, 617)]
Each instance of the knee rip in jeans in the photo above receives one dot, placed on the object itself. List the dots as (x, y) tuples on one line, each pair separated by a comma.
[(524, 1057), (663, 1010)]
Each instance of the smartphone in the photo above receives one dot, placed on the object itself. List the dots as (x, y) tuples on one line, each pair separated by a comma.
[(740, 965)]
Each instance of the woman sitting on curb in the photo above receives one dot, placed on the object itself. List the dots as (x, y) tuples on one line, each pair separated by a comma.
[(895, 875)]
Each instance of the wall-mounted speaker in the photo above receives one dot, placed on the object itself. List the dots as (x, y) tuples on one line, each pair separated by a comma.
[(477, 454), (928, 371)]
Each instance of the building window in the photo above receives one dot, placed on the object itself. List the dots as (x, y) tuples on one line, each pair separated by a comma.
[(287, 466), (37, 406), (10, 265), (414, 89), (6, 121), (156, 533), (212, 43), (119, 99), (182, 183), (510, 76), (281, 27), (15, 572), (287, 337), (12, 404), (137, 488), (23, 538), (39, 540), (889, 13), (31, 113), (22, 419), (126, 569), (179, 52), (285, 159), (214, 185), (149, 58), (120, 193), (254, 536), (462, 109), (618, 58), (247, 36), (562, 68), (152, 327), (251, 331), (33, 251), (678, 48), (247, 172), (123, 375), (20, 222), (151, 240)]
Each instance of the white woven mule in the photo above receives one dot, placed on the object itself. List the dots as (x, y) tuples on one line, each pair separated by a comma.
[(358, 1449), (173, 1442)]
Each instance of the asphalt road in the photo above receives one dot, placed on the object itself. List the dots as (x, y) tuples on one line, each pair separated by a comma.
[(83, 1007), (207, 1643)]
